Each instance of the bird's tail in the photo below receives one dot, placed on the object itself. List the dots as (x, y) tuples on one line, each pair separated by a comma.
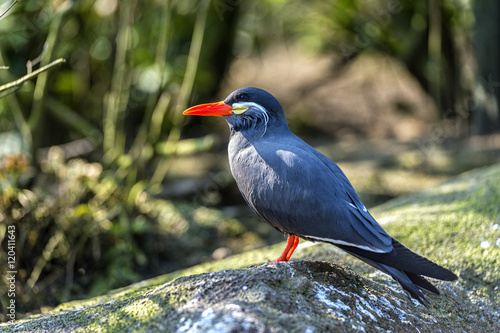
[(406, 267), (403, 259), (412, 283)]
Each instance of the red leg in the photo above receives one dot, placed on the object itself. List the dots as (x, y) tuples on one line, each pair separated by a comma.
[(294, 246), (291, 244)]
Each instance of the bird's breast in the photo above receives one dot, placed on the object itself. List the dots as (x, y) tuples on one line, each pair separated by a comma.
[(270, 176)]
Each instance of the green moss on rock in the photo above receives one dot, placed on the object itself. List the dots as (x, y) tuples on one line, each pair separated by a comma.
[(456, 224)]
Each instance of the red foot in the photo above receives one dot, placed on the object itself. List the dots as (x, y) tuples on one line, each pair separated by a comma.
[(291, 244)]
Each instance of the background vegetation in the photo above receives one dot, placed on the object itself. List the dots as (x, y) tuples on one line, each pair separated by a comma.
[(103, 186)]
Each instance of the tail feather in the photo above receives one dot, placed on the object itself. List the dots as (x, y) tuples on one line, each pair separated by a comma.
[(422, 283), (404, 259), (406, 267), (408, 283), (411, 282), (419, 265)]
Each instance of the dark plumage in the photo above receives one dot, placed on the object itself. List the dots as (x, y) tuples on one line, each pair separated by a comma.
[(301, 192)]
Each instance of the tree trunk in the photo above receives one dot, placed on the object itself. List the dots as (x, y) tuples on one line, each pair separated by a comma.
[(486, 113)]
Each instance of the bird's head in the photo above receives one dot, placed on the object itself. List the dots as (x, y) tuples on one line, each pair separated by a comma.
[(244, 108)]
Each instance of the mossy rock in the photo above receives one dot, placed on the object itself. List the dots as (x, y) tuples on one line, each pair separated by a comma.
[(455, 224)]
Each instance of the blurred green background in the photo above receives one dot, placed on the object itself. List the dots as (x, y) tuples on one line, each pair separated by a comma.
[(108, 184)]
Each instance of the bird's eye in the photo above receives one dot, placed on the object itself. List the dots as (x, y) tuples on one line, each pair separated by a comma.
[(243, 97)]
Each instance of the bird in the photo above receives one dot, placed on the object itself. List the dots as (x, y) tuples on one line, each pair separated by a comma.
[(303, 194)]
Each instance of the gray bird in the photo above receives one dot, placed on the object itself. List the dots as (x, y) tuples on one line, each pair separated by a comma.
[(302, 193)]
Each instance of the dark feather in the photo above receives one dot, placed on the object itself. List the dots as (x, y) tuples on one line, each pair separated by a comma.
[(404, 259)]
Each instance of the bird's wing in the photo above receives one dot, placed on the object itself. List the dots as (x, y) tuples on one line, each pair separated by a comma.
[(356, 210), (300, 191)]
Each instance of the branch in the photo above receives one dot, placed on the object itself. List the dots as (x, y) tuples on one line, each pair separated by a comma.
[(29, 76), (11, 5)]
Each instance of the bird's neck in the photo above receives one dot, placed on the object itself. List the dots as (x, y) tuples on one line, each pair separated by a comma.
[(259, 130)]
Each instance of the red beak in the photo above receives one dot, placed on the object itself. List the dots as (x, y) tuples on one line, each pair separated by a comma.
[(210, 109)]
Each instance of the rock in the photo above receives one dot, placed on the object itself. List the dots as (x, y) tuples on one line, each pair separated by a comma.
[(450, 224)]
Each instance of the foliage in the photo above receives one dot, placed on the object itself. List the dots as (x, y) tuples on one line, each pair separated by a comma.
[(85, 227), (431, 38)]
